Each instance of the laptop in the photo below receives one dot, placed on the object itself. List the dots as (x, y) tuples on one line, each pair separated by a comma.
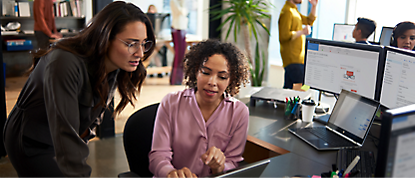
[(250, 170), (347, 127), (395, 157)]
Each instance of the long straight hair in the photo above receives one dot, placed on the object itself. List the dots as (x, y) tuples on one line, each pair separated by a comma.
[(93, 42)]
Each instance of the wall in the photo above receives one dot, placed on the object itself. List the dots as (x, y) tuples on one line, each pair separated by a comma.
[(201, 6), (384, 12), (328, 13)]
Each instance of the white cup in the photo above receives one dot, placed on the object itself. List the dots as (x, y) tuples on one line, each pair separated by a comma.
[(307, 109)]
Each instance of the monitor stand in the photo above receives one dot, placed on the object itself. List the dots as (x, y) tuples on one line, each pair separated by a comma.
[(321, 108), (321, 111)]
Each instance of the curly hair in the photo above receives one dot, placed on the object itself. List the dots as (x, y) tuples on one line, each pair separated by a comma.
[(200, 53)]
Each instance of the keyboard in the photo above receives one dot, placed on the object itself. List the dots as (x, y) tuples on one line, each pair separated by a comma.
[(329, 137), (366, 164)]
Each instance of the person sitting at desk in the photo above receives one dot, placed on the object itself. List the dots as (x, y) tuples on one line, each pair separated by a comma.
[(202, 130), (363, 29), (403, 35)]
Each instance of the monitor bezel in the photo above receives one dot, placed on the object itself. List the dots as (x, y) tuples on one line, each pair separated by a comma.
[(385, 132), (374, 48), (384, 27), (386, 50)]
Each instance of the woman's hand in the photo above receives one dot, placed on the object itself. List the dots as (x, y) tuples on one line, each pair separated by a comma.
[(184, 172), (215, 159)]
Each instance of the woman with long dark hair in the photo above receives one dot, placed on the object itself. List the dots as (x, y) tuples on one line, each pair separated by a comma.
[(403, 35), (70, 86)]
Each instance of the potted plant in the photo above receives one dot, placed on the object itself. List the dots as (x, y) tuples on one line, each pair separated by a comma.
[(248, 16)]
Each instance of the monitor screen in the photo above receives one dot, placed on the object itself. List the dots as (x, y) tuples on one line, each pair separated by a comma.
[(385, 36), (332, 66), (398, 87), (344, 32), (396, 157)]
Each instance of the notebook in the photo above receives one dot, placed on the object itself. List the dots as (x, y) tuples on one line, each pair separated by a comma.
[(347, 127), (249, 170)]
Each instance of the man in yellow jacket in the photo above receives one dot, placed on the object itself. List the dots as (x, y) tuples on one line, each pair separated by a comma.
[(292, 41)]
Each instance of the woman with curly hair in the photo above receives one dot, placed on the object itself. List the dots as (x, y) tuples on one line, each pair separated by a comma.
[(202, 130)]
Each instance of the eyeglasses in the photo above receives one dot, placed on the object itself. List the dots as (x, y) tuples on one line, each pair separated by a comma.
[(133, 47)]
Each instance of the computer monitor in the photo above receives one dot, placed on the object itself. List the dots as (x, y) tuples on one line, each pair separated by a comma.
[(344, 32), (396, 157), (331, 66), (385, 36), (398, 87)]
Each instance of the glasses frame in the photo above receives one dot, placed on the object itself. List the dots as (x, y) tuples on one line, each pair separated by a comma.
[(131, 45)]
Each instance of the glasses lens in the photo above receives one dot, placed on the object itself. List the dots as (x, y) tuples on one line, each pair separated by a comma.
[(133, 48), (147, 45)]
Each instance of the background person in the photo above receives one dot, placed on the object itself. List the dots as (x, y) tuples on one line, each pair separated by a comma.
[(292, 41), (71, 84), (363, 29), (45, 27), (403, 35), (178, 31), (202, 130)]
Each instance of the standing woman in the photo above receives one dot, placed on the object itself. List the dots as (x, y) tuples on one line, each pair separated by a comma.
[(178, 31), (71, 84), (403, 35)]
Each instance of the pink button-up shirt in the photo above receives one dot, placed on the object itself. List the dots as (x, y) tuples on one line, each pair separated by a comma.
[(181, 135)]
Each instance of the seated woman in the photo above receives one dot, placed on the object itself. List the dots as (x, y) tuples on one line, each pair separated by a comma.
[(202, 130), (403, 35)]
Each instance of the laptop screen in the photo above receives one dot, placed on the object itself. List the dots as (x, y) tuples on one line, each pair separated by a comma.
[(250, 170), (397, 156), (353, 115)]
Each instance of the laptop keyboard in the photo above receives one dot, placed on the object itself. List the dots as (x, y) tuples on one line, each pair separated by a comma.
[(366, 164), (328, 136)]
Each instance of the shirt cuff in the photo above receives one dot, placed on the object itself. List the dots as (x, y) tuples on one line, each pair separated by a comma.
[(229, 165), (293, 34), (165, 170)]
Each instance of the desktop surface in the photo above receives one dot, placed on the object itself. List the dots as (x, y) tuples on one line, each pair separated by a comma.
[(268, 124)]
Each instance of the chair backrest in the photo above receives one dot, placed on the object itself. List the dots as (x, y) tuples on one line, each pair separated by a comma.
[(138, 136)]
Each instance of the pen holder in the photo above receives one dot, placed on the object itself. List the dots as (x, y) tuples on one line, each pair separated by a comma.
[(292, 111)]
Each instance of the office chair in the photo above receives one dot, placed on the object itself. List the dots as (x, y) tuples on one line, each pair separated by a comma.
[(138, 136)]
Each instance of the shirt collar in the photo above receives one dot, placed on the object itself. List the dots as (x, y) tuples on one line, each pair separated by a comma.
[(290, 4)]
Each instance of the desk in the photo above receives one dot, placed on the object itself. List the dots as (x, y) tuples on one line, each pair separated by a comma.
[(268, 125)]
